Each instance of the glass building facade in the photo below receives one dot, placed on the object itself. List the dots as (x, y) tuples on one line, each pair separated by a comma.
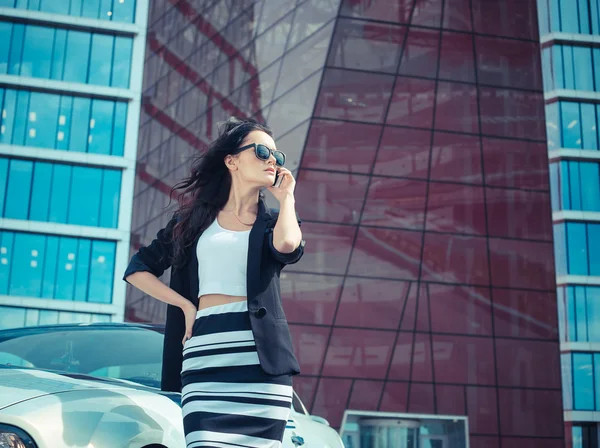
[(570, 49), (416, 130), (70, 94)]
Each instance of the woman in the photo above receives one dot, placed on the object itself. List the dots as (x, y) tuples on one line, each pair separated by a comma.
[(226, 250)]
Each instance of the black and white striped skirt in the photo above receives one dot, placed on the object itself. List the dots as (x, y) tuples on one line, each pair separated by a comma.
[(227, 399)]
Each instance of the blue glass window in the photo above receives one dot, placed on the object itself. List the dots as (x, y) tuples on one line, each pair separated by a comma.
[(54, 192), (58, 55), (111, 191), (101, 125), (84, 204), (65, 273), (580, 313), (569, 67), (83, 270), (567, 381), (558, 67), (553, 126), (55, 7), (560, 249), (593, 231), (571, 317), (50, 267), (11, 317), (583, 382), (75, 9), (21, 118), (102, 270), (41, 189), (565, 185), (62, 122), (571, 125), (568, 15), (48, 317), (577, 249), (42, 122), (592, 314), (590, 192), (20, 173), (4, 176), (596, 57), (584, 16), (579, 184), (27, 262), (589, 126), (80, 124), (6, 254), (115, 10), (554, 15), (61, 189), (575, 186), (16, 49), (543, 17), (124, 11), (554, 186), (77, 58), (37, 51), (597, 379), (122, 62), (118, 143), (63, 134), (5, 36), (106, 8), (595, 16), (91, 9), (547, 69), (101, 59), (16, 317), (571, 16), (582, 59)]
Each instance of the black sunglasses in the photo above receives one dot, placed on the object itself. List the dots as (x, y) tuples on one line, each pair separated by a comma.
[(264, 152)]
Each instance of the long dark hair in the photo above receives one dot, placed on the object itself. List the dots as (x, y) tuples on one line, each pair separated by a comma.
[(204, 193)]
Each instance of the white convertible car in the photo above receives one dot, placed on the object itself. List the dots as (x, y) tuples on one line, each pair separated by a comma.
[(97, 386)]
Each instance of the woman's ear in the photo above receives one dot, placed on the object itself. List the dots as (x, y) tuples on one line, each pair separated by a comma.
[(231, 162)]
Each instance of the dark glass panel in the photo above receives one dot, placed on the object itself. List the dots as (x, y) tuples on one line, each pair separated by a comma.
[(340, 146), (354, 95), (395, 203), (455, 208), (333, 197)]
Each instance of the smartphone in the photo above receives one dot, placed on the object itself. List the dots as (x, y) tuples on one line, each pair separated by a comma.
[(278, 180)]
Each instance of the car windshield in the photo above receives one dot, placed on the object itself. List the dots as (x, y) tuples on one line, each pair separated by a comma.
[(125, 352)]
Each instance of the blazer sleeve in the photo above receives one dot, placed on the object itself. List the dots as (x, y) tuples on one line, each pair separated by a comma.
[(155, 258), (289, 258)]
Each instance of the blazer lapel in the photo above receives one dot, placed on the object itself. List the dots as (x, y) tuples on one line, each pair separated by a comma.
[(255, 246), (192, 271)]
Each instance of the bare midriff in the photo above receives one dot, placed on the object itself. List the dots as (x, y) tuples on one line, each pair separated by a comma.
[(208, 300)]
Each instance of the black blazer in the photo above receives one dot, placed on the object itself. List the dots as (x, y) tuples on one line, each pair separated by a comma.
[(269, 325)]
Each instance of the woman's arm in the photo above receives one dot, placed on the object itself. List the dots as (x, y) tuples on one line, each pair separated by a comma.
[(151, 285), (287, 235), (148, 264)]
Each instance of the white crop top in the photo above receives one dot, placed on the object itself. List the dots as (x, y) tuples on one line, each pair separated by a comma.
[(222, 261)]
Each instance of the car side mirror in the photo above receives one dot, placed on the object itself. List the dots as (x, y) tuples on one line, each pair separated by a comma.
[(321, 420)]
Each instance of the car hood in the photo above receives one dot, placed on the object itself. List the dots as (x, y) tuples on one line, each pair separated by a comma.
[(21, 384)]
